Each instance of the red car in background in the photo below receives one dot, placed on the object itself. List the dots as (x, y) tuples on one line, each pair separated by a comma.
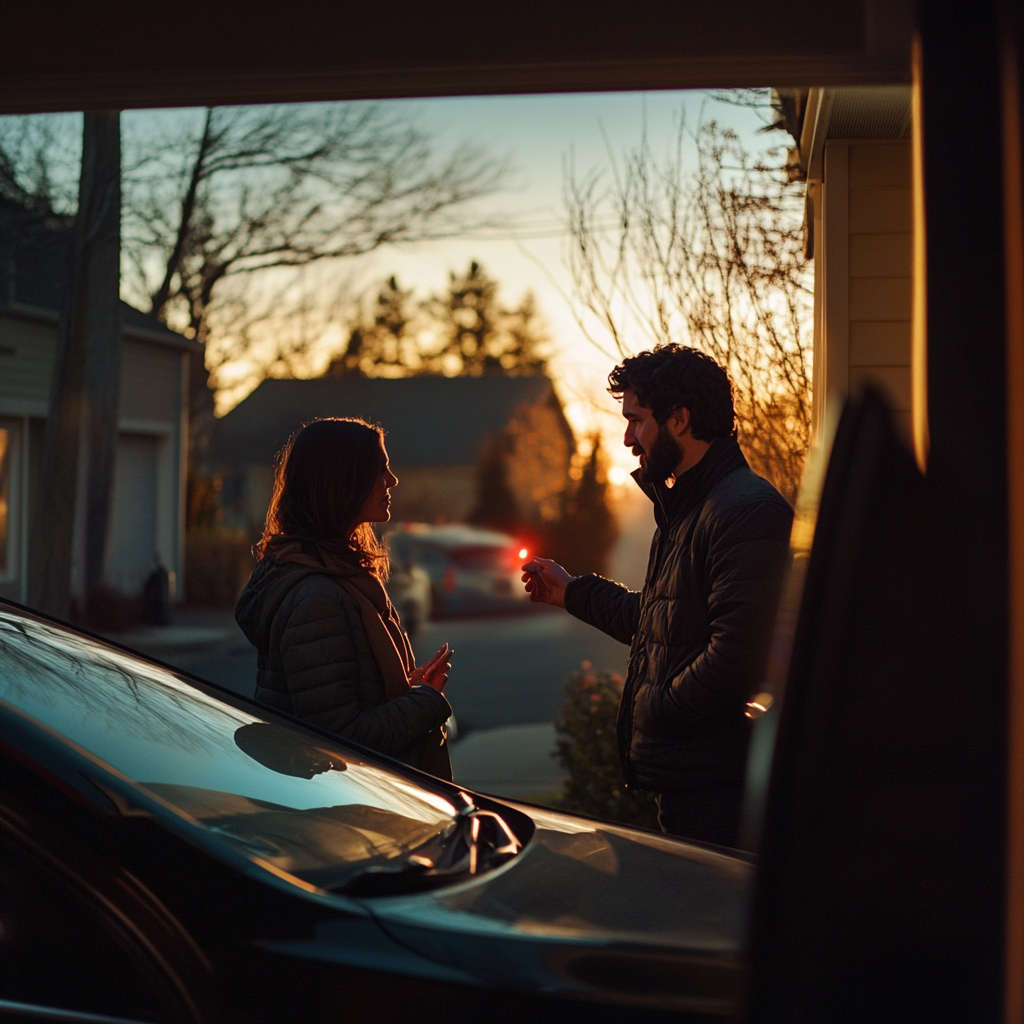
[(472, 571)]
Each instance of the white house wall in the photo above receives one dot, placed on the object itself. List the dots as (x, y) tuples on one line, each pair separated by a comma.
[(152, 406), (863, 277), (133, 542), (27, 349), (149, 384), (153, 398)]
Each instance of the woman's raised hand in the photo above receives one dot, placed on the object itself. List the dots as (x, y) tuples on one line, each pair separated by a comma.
[(435, 672)]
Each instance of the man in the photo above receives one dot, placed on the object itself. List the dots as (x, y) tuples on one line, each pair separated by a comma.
[(699, 630)]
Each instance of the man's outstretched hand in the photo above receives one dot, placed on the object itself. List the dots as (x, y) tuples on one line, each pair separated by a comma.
[(546, 581)]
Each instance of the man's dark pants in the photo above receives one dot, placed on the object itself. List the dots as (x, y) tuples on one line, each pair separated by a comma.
[(709, 815)]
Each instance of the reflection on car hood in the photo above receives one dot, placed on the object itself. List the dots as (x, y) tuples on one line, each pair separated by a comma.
[(593, 880), (588, 910), (587, 907), (296, 802)]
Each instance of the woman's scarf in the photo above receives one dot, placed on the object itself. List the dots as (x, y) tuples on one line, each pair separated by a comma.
[(390, 645)]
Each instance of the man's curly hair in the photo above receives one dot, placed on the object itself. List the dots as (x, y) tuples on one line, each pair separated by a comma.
[(674, 376)]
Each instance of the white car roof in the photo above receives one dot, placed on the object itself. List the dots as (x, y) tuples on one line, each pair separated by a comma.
[(452, 535)]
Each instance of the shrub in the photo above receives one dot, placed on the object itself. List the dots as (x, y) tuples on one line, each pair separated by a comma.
[(588, 750)]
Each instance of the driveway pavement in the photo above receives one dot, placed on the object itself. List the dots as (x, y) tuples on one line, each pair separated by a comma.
[(505, 670), (511, 760)]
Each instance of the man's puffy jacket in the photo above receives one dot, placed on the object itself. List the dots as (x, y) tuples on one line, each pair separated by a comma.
[(699, 631)]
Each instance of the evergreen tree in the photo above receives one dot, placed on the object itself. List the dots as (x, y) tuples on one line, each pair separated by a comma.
[(525, 340), (382, 345), (588, 529), (472, 317), (482, 337), (496, 505), (477, 335)]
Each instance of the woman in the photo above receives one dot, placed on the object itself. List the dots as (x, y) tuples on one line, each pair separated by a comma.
[(331, 647)]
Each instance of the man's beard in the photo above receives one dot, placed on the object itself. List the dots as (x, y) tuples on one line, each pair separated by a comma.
[(660, 462)]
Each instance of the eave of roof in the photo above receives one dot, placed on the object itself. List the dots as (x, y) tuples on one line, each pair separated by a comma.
[(347, 51), (149, 330), (853, 112)]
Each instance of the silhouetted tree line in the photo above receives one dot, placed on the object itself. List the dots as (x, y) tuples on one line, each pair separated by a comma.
[(465, 332)]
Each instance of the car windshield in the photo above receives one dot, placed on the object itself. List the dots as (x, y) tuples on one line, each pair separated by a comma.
[(287, 797)]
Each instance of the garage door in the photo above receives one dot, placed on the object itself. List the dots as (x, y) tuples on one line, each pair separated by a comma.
[(131, 553)]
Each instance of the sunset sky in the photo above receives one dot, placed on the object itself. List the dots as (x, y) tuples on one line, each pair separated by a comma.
[(541, 135), (539, 138)]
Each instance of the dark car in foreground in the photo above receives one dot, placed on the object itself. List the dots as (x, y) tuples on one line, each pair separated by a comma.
[(174, 852)]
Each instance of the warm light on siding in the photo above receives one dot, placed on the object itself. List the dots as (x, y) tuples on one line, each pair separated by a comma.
[(919, 314)]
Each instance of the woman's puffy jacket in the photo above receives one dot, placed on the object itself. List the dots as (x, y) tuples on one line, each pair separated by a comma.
[(315, 662)]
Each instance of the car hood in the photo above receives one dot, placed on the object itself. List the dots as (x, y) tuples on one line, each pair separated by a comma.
[(591, 908)]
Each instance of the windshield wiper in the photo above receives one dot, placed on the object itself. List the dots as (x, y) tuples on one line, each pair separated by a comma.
[(478, 841)]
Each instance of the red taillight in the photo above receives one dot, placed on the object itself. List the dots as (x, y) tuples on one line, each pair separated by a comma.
[(449, 581)]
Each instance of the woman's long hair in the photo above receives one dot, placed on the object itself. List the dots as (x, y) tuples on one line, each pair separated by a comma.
[(322, 478)]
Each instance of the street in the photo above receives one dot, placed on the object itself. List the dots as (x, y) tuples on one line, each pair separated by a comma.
[(506, 670), (506, 679), (505, 685)]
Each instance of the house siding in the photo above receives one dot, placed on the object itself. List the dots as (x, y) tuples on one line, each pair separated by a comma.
[(27, 350), (865, 266), (149, 389), (151, 415)]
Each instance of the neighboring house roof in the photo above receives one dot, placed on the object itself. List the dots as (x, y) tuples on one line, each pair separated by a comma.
[(431, 421), (34, 253)]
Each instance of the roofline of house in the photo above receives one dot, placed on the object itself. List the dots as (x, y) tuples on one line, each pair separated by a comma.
[(153, 336), (156, 337)]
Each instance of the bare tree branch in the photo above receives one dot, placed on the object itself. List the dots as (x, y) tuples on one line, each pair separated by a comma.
[(39, 164), (254, 189), (714, 258), (251, 194), (227, 207)]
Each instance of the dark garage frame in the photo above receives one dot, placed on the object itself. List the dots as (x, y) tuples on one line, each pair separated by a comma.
[(955, 737)]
